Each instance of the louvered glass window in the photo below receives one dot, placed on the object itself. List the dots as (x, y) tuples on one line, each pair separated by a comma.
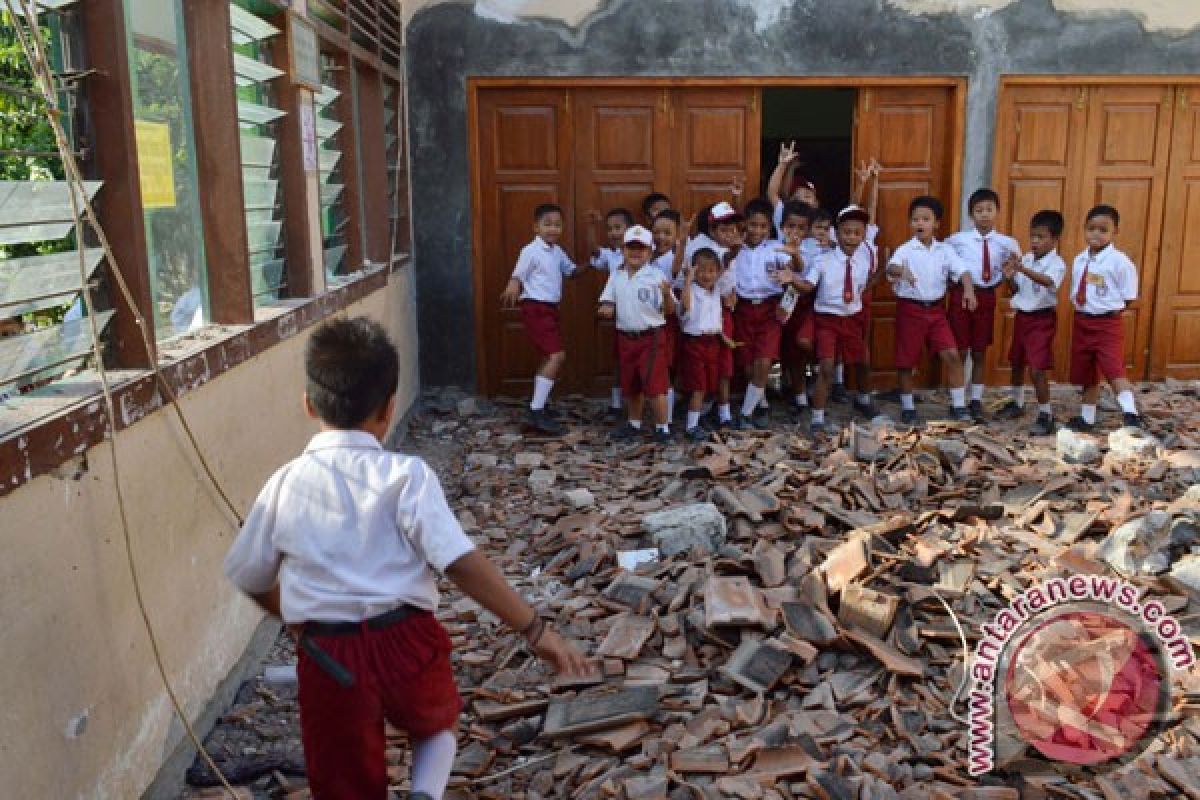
[(397, 161), (334, 216), (259, 116), (43, 328)]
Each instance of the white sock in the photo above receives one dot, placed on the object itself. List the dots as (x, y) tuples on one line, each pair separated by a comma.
[(977, 391), (724, 412), (958, 397), (801, 399), (818, 415), (541, 392), (839, 373), (693, 419), (968, 365), (863, 398), (433, 758), (1127, 403), (1088, 413), (670, 403), (1045, 408), (1018, 395), (753, 395), (665, 428), (615, 400), (907, 403)]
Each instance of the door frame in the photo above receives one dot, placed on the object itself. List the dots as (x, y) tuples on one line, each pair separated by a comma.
[(475, 85)]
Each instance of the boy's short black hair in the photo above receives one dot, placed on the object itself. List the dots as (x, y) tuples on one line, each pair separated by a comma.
[(670, 214), (1104, 210), (822, 215), (624, 213), (759, 205), (929, 202), (705, 252), (703, 223), (982, 195), (794, 208), (351, 369), (1050, 220), (652, 198), (544, 209)]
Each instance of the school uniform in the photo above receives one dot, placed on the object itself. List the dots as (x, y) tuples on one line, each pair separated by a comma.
[(608, 259), (1036, 317), (642, 356), (352, 533), (700, 361), (540, 269), (1101, 286), (756, 326), (984, 258), (920, 312), (840, 280)]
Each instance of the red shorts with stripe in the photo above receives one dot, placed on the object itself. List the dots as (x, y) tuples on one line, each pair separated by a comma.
[(726, 361), (840, 338), (1097, 349), (700, 363), (1033, 339), (919, 326), (972, 329), (642, 362), (757, 330), (542, 327)]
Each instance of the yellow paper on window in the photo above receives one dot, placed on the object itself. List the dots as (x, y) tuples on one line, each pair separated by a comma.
[(155, 164)]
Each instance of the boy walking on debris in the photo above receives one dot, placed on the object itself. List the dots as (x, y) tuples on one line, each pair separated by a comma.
[(342, 543)]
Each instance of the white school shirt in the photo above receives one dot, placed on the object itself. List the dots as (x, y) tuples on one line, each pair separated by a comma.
[(665, 264), (828, 274), (637, 297), (1112, 281), (705, 315), (1031, 296), (608, 259), (969, 247), (811, 250), (753, 266), (350, 530), (540, 269), (933, 267)]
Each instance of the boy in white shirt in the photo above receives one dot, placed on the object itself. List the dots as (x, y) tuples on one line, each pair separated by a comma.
[(342, 543), (1034, 280), (796, 348), (1103, 282), (607, 259), (536, 283), (983, 250), (703, 339), (666, 232), (919, 272)]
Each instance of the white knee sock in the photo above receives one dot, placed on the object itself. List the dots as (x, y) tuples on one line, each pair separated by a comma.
[(1018, 396), (615, 400), (724, 412), (1088, 413), (670, 403), (977, 391), (433, 758), (818, 415), (839, 373), (801, 399), (907, 403), (958, 397), (1045, 408), (693, 419), (1127, 403), (541, 392), (753, 395)]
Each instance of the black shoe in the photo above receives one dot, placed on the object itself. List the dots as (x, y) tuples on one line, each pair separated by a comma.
[(818, 428), (799, 410), (1080, 425), (743, 423), (961, 414), (839, 394), (909, 416), (1044, 424), (614, 413), (544, 423), (663, 437), (625, 433), (697, 434), (867, 409), (761, 417), (977, 410), (1129, 420), (1010, 410)]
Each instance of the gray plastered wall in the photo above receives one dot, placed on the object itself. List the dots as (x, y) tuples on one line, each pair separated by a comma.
[(450, 42)]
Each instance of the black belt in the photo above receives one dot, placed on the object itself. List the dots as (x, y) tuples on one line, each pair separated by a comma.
[(1041, 312), (1105, 315), (640, 334), (377, 623), (923, 303), (539, 302), (758, 301)]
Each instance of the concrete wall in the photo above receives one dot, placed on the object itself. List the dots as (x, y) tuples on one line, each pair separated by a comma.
[(451, 41), (84, 714)]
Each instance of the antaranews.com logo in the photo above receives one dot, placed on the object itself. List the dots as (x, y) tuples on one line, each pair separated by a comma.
[(1076, 668)]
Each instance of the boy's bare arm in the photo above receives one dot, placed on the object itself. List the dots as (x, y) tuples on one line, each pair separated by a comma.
[(482, 582)]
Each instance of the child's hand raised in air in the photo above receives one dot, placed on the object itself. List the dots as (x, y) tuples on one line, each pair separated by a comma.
[(737, 185), (787, 152), (510, 295)]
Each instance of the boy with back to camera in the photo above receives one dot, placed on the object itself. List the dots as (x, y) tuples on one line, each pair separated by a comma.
[(342, 543)]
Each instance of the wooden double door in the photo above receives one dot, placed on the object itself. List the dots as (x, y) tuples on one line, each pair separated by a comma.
[(597, 147), (1136, 147)]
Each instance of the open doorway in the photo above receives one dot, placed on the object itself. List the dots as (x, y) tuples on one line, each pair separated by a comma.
[(821, 122)]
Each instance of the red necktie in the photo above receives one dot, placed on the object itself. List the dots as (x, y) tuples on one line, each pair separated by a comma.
[(848, 285), (987, 264), (1081, 292)]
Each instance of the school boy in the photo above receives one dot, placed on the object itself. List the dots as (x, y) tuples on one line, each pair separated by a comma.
[(919, 272), (607, 259), (639, 298), (761, 270), (666, 232), (796, 348), (536, 283), (654, 204), (983, 250), (703, 339), (343, 543), (719, 227), (1034, 280), (1103, 282), (838, 279)]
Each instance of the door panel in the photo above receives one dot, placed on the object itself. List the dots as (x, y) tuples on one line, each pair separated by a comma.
[(716, 134)]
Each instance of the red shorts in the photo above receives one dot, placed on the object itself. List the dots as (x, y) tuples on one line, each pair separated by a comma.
[(918, 326), (726, 360), (1033, 339), (701, 363), (972, 329), (541, 325), (757, 330), (642, 362), (401, 674), (1097, 349), (840, 338), (801, 325)]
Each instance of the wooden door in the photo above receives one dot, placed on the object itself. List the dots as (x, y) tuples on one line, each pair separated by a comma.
[(525, 158), (622, 153), (716, 135), (911, 132), (1040, 132), (1175, 342)]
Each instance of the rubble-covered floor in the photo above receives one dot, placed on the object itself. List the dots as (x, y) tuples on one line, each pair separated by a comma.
[(793, 640)]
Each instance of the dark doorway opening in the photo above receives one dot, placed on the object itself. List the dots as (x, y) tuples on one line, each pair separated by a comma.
[(821, 122)]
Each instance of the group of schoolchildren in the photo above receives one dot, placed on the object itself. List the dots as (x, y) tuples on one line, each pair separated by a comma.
[(783, 280)]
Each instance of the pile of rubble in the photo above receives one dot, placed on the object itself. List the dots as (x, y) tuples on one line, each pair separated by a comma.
[(776, 617)]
